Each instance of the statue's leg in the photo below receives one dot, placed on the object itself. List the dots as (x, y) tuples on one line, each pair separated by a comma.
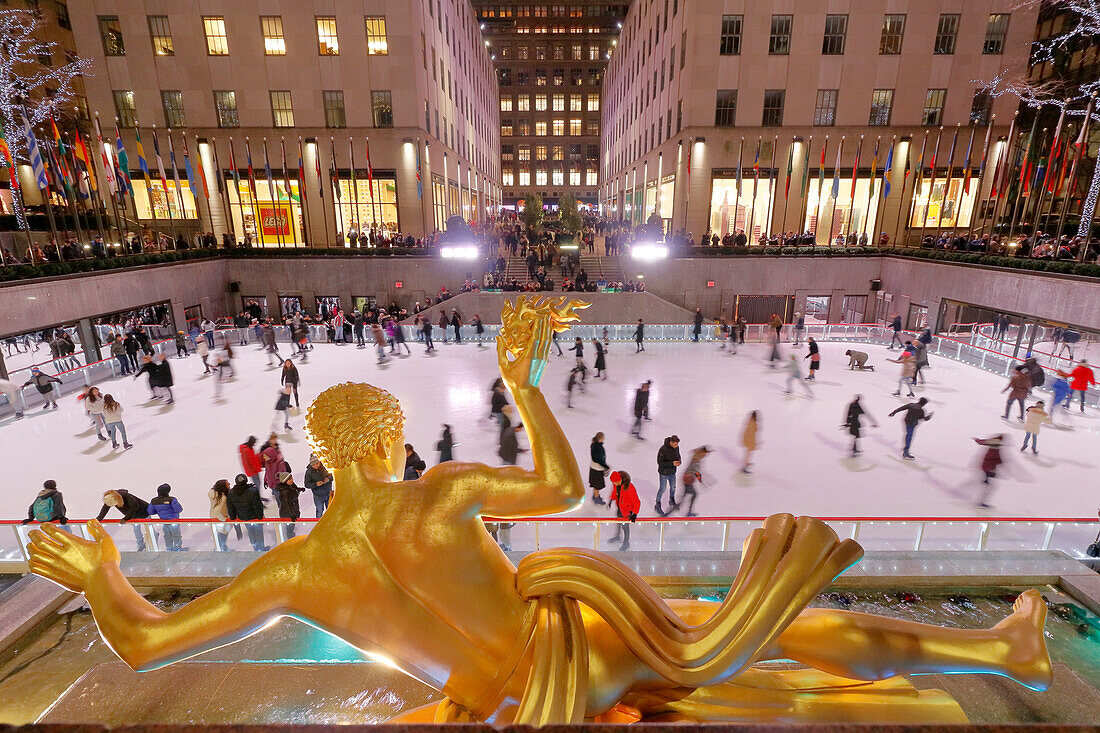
[(866, 647)]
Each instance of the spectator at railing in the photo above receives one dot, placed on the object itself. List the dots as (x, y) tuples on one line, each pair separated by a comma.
[(48, 506)]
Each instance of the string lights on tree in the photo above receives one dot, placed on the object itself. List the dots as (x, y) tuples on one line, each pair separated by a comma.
[(27, 86), (1080, 31)]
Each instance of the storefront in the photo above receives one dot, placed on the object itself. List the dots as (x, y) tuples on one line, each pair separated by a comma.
[(173, 203), (733, 209), (368, 204), (273, 218), (439, 203), (932, 209), (846, 215)]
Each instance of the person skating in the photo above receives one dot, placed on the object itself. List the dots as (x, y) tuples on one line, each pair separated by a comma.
[(794, 374), (1081, 378), (692, 476), (908, 370), (11, 390), (167, 508), (290, 378), (130, 507), (799, 327), (597, 467), (570, 385), (498, 400), (853, 421), (204, 354), (601, 359), (1018, 387), (479, 330), (286, 496), (282, 405), (578, 349), (44, 384), (739, 329), (358, 321), (48, 506), (991, 461), (414, 464), (112, 419), (775, 323), (446, 445), (914, 415), (181, 345), (641, 409), (858, 360), (814, 356), (749, 439), (162, 374), (697, 325), (920, 360), (895, 325), (639, 336), (627, 505), (93, 403), (509, 449), (1060, 388), (1034, 417), (554, 342), (775, 356), (245, 505), (379, 342), (318, 480), (426, 334), (668, 459), (456, 324)]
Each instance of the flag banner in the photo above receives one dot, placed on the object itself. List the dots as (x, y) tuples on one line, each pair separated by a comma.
[(370, 175), (67, 177), (34, 155), (85, 159), (420, 184), (966, 163), (160, 164), (835, 191), (233, 169), (105, 159), (886, 172), (790, 170), (333, 174), (200, 169), (855, 167), (140, 152), (301, 173), (176, 171), (122, 162), (317, 167), (189, 171), (1055, 147)]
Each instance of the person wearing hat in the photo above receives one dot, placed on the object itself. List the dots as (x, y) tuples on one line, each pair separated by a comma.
[(319, 481), (245, 505), (991, 460), (130, 507), (668, 458), (1034, 417), (44, 384), (627, 505), (181, 344), (692, 475), (48, 506), (456, 324), (166, 508), (286, 494)]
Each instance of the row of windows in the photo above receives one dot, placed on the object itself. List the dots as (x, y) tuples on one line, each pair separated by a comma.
[(538, 102), (551, 152), (217, 42), (542, 128), (555, 176), (225, 107), (882, 103), (547, 77), (557, 52), (835, 35), (550, 11), (561, 29)]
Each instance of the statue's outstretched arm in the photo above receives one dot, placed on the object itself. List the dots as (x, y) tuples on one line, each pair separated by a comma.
[(141, 634)]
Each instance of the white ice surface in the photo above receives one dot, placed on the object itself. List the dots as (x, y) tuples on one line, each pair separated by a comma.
[(699, 392)]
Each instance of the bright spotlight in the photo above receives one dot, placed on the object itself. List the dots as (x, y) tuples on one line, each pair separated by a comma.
[(464, 252), (649, 252)]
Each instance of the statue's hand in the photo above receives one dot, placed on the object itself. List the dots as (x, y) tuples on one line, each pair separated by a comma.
[(69, 560), (527, 329), (517, 372)]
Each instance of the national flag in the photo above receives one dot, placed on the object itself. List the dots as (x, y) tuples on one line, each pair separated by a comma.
[(6, 159), (835, 191), (420, 185), (286, 172), (790, 170), (740, 150), (105, 160), (1080, 144), (301, 170), (333, 174), (34, 155), (140, 153), (189, 171), (1055, 147), (200, 170), (54, 170), (85, 159), (966, 163), (320, 177), (806, 169), (160, 164), (122, 162), (176, 171), (886, 172), (267, 174), (821, 167), (985, 152), (233, 169), (370, 175), (855, 167), (66, 175), (251, 172)]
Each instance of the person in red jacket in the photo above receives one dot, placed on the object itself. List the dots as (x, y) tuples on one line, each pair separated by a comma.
[(627, 503), (250, 461), (1080, 379), (991, 460)]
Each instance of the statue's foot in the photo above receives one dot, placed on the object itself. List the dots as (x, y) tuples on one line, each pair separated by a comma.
[(1028, 662)]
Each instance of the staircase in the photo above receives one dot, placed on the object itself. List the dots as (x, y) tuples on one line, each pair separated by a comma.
[(596, 266)]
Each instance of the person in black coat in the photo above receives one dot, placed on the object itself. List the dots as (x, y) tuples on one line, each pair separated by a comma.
[(130, 507), (853, 421), (639, 335), (697, 330), (414, 465), (244, 505), (641, 408), (446, 445), (48, 506), (598, 468), (509, 449), (601, 358), (668, 460), (286, 494)]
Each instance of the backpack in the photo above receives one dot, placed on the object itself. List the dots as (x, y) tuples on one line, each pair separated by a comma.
[(43, 508)]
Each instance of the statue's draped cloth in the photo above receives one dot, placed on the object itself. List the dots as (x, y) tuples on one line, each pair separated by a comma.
[(784, 565)]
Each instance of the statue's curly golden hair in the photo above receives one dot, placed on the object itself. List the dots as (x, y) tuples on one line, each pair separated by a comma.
[(350, 421)]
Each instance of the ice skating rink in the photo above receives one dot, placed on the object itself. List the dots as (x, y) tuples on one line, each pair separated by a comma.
[(699, 392)]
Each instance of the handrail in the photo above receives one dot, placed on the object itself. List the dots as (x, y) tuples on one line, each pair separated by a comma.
[(587, 520)]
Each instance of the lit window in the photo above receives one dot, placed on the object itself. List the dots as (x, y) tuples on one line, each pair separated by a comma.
[(272, 28), (559, 127), (172, 101), (161, 34), (506, 104), (540, 102), (282, 111), (225, 105), (334, 108), (523, 103), (995, 31), (576, 101), (540, 127), (558, 177), (946, 33), (575, 126), (893, 31), (111, 32), (382, 105), (507, 178), (825, 107), (933, 107), (125, 108), (216, 42), (882, 104), (377, 45), (559, 102), (593, 102), (327, 42), (540, 176)]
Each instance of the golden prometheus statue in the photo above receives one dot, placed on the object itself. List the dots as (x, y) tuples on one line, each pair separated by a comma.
[(405, 571)]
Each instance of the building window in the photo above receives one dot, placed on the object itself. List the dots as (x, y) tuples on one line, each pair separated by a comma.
[(779, 42), (172, 101), (125, 109), (506, 128), (377, 45), (161, 34), (540, 176), (63, 19), (593, 53), (540, 101), (593, 102), (725, 108), (111, 32), (773, 108), (217, 44), (882, 104), (523, 103), (995, 31), (282, 111), (592, 126), (506, 104), (382, 105), (825, 107), (225, 105), (679, 115), (576, 102), (327, 42), (558, 128), (575, 126), (933, 107), (836, 31), (946, 33), (272, 28), (576, 77), (333, 101), (893, 31), (730, 45), (981, 107), (540, 128)]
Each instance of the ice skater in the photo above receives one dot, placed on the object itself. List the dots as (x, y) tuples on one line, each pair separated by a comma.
[(282, 406), (639, 337), (1018, 387), (799, 327), (895, 324), (498, 400), (570, 385), (479, 331), (697, 325), (554, 341), (44, 384), (775, 356), (203, 350), (627, 505), (597, 468), (814, 356), (749, 439), (1061, 391), (1034, 417), (601, 359), (914, 415), (858, 360), (12, 391), (112, 418), (181, 345), (693, 476), (1081, 378), (446, 445), (641, 409), (908, 369), (853, 421), (668, 460), (794, 374), (578, 349), (291, 378), (991, 461), (380, 341)]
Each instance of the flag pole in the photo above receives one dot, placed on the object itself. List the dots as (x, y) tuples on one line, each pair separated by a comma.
[(201, 175), (901, 193), (950, 173), (1018, 203), (320, 185), (852, 194), (1083, 140), (89, 183), (254, 204), (223, 189), (164, 182), (148, 188), (835, 194), (737, 200), (870, 192), (108, 177), (804, 189), (58, 160), (999, 180), (275, 205), (85, 207), (787, 189), (302, 193), (1048, 173), (1055, 167), (981, 177), (755, 190), (355, 194), (49, 205), (334, 184)]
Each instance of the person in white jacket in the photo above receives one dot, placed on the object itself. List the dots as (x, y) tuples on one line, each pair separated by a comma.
[(15, 397), (1034, 418)]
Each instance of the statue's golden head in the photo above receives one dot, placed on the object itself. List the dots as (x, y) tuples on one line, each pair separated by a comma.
[(350, 422)]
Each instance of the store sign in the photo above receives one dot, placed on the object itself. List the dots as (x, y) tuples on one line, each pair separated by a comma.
[(274, 220)]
